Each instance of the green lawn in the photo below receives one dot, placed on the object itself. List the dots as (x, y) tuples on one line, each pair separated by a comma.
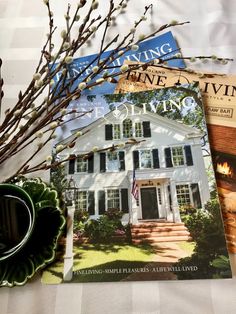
[(106, 262), (188, 247), (102, 262), (101, 257)]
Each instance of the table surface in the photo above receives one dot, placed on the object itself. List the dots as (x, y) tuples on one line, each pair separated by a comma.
[(23, 25)]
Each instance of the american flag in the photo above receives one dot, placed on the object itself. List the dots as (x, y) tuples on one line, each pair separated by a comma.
[(134, 187)]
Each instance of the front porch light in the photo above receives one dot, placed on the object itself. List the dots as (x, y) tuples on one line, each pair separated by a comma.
[(71, 192)]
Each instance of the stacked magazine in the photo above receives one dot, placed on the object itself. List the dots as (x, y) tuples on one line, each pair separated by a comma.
[(139, 184), (219, 99)]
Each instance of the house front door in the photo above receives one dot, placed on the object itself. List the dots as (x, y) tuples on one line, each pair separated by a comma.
[(149, 203)]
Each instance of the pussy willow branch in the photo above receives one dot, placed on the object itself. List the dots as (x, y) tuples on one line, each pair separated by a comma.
[(122, 43), (16, 137), (106, 28), (25, 166), (43, 165), (61, 124), (76, 46), (133, 66)]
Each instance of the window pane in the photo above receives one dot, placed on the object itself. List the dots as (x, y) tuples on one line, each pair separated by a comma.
[(145, 159), (113, 199), (81, 165), (116, 130), (127, 128), (138, 129), (82, 200), (112, 161), (183, 195), (178, 156)]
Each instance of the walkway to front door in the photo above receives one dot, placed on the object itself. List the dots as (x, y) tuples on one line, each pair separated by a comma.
[(167, 254)]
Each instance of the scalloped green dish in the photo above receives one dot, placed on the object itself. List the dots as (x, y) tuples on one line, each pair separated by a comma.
[(40, 248)]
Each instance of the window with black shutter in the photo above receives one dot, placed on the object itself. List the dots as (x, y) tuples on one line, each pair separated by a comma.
[(188, 155), (122, 161), (91, 163), (72, 164), (168, 157), (155, 157), (108, 132), (101, 202), (146, 129), (91, 203), (124, 200), (102, 162), (196, 195), (136, 159)]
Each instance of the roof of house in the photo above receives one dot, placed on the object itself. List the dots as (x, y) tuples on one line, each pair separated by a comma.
[(189, 131)]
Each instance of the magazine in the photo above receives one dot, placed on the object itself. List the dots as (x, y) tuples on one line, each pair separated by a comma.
[(162, 46), (219, 98), (140, 191)]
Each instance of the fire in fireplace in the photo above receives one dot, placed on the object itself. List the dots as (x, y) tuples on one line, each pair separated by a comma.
[(225, 166), (224, 169)]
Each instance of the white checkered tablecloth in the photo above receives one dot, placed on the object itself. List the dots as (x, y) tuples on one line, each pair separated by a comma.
[(23, 28)]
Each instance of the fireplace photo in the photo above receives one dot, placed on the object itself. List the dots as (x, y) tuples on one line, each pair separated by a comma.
[(225, 170)]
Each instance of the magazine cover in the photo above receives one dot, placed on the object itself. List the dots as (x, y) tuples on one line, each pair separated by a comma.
[(219, 98), (140, 191), (162, 46)]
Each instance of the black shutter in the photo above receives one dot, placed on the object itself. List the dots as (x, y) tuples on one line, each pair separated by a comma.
[(108, 132), (168, 157), (72, 164), (122, 161), (170, 198), (91, 203), (146, 129), (102, 162), (136, 159), (196, 195), (155, 158), (124, 200), (91, 163), (101, 202), (188, 155)]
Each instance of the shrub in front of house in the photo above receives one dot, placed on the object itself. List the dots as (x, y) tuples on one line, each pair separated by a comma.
[(187, 209), (114, 214), (207, 232), (80, 218), (100, 230), (107, 228), (81, 215), (91, 229)]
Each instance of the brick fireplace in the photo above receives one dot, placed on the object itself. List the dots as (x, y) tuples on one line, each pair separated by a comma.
[(223, 146)]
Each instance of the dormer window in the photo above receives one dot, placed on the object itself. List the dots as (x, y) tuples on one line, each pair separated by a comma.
[(116, 132), (127, 128), (138, 129)]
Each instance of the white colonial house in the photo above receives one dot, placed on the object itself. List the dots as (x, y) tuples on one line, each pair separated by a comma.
[(167, 162)]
